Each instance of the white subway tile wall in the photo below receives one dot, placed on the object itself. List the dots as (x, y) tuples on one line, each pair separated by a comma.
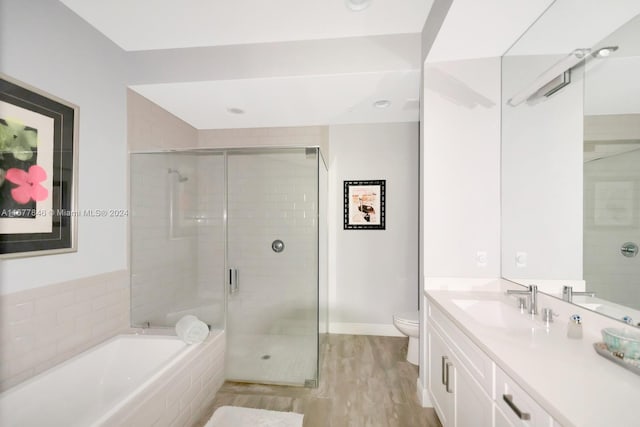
[(42, 327), (273, 196), (177, 250), (211, 242)]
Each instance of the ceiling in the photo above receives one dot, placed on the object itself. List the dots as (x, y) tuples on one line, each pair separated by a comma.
[(169, 24), (206, 57), (275, 102), (273, 89)]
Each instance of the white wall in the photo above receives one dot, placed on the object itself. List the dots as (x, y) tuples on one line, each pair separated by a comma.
[(47, 46), (541, 175), (461, 165), (374, 273)]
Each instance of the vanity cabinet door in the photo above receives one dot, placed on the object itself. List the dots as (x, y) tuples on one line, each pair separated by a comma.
[(472, 406), (458, 399), (441, 370)]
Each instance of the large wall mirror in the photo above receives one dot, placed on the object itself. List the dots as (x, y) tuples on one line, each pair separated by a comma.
[(571, 155)]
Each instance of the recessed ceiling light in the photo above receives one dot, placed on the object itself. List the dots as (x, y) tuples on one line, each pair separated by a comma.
[(382, 103), (603, 52), (235, 110), (357, 5)]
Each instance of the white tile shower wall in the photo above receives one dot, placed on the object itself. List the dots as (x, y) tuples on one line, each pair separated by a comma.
[(273, 196), (163, 266), (211, 239), (181, 396), (611, 218), (44, 326)]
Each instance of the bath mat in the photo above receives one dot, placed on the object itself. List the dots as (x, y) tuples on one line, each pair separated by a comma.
[(235, 416)]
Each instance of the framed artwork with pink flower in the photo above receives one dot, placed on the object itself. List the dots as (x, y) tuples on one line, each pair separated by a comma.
[(38, 171)]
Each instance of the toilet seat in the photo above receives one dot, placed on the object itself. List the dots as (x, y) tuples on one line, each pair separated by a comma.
[(410, 318)]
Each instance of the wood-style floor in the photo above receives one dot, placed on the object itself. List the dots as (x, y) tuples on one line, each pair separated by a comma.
[(365, 381)]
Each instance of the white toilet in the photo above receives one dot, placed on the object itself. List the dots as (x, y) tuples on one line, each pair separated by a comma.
[(409, 324)]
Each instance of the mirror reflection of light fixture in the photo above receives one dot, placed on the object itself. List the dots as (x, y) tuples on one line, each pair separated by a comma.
[(552, 80), (604, 52)]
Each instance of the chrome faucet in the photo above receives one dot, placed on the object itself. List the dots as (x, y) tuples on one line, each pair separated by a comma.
[(532, 294), (568, 293)]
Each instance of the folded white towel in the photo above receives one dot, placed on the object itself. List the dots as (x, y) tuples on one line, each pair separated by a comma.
[(192, 330)]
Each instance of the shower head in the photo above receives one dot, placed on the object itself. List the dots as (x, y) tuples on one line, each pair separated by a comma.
[(181, 178)]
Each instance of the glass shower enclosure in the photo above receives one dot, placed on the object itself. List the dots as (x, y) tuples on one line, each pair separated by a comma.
[(237, 238)]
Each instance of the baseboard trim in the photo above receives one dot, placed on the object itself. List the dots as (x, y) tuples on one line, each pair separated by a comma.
[(387, 330), (423, 395)]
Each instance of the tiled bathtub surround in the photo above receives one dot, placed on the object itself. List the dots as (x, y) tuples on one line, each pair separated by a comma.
[(184, 394), (42, 327)]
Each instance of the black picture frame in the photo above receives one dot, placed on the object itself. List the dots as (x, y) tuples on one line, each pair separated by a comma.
[(38, 148), (364, 204)]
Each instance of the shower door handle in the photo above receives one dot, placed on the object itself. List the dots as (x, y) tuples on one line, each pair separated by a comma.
[(234, 280)]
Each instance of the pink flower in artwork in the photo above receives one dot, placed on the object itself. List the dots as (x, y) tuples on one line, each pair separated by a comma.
[(28, 184)]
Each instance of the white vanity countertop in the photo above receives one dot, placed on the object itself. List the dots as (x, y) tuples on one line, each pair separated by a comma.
[(565, 376)]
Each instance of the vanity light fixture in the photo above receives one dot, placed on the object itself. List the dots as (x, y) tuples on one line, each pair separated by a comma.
[(552, 80), (604, 52), (382, 103), (235, 110), (358, 5)]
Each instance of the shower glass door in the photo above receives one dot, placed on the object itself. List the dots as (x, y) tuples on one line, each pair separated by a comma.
[(272, 266), (177, 238)]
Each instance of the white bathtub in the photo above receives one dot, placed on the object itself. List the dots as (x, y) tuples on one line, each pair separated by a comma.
[(89, 388)]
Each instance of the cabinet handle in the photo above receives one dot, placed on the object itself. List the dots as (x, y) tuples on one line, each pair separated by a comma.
[(522, 415), (447, 384), (444, 377)]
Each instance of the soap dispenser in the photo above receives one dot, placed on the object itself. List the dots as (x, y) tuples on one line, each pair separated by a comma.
[(574, 328)]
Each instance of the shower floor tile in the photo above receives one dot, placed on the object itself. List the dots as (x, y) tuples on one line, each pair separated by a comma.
[(271, 359)]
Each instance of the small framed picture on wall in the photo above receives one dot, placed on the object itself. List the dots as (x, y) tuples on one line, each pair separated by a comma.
[(364, 205)]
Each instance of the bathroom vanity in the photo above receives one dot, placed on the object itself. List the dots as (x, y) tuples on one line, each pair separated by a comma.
[(491, 364)]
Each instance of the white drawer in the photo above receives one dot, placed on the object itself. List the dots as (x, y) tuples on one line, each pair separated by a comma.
[(507, 389), (477, 362)]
